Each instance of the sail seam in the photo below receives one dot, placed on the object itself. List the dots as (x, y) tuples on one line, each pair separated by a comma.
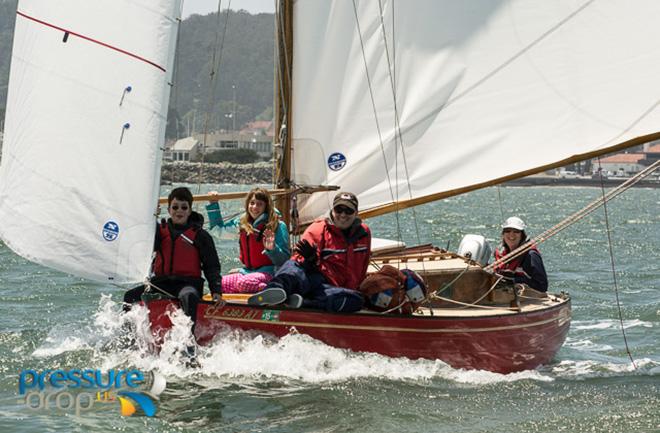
[(87, 38)]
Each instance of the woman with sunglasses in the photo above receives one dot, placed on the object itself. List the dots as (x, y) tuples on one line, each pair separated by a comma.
[(527, 268), (263, 242)]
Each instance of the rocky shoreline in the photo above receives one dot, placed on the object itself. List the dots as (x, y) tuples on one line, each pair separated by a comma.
[(223, 172)]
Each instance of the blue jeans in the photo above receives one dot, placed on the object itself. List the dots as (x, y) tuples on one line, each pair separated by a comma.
[(315, 290)]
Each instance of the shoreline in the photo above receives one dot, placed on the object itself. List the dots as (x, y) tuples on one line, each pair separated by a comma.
[(262, 173)]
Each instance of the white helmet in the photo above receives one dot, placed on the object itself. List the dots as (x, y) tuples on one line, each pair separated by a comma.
[(514, 223)]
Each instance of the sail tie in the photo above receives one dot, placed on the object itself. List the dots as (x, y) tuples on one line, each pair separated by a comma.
[(123, 95), (124, 128)]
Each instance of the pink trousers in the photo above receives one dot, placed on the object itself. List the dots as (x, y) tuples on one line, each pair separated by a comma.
[(245, 283)]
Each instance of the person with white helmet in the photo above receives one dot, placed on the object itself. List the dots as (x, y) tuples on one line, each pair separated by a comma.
[(527, 268)]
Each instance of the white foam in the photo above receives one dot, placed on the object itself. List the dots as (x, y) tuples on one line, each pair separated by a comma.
[(608, 324), (586, 369)]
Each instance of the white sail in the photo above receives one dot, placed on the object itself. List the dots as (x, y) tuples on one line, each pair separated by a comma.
[(480, 91), (85, 123)]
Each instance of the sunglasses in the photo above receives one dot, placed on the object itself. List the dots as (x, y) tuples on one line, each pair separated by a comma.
[(510, 231), (176, 207), (345, 210)]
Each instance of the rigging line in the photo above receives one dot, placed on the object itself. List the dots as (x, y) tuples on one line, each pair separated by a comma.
[(391, 68), (611, 250), (175, 80), (499, 196), (575, 217), (373, 104), (212, 84)]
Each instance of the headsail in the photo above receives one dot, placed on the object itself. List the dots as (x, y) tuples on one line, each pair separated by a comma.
[(85, 124), (406, 102)]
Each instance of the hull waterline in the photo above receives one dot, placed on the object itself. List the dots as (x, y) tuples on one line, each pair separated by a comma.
[(503, 343)]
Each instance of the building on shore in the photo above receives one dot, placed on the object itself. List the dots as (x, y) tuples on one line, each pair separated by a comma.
[(184, 149)]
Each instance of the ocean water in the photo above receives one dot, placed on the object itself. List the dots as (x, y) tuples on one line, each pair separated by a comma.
[(249, 382)]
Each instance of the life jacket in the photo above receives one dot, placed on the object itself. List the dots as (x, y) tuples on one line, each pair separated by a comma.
[(343, 260), (179, 256), (394, 290), (252, 247), (514, 265)]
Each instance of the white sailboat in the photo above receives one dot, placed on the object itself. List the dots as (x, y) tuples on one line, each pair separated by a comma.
[(400, 103)]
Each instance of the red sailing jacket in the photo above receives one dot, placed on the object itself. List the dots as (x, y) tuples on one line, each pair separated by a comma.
[(252, 247), (177, 257), (343, 260)]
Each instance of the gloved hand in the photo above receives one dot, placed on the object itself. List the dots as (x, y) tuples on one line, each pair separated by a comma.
[(507, 274), (308, 252)]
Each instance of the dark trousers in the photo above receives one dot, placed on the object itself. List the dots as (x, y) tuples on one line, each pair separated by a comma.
[(314, 289), (187, 295)]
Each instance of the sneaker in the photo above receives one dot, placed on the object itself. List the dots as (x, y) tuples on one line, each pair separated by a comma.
[(272, 296), (294, 301)]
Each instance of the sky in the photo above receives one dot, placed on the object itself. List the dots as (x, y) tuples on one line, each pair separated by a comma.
[(204, 7)]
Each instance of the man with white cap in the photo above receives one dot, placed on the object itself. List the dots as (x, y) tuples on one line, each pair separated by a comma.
[(527, 268), (329, 263)]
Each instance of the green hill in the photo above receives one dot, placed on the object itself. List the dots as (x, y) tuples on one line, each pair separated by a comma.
[(246, 62)]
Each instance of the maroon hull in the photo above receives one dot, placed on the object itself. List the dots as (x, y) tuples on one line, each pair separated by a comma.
[(500, 343)]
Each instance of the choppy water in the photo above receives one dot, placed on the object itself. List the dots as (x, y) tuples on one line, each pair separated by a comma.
[(254, 383)]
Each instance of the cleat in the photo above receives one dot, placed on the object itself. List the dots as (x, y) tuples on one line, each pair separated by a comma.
[(294, 301), (272, 296)]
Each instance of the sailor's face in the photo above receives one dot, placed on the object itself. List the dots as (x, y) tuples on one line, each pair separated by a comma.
[(256, 207), (511, 237), (179, 211), (343, 216)]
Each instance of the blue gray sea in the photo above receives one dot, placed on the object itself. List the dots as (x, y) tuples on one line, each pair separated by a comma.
[(249, 382)]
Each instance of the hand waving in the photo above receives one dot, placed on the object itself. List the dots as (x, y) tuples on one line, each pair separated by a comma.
[(269, 240)]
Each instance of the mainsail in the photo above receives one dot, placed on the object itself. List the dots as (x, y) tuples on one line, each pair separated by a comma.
[(407, 102), (85, 124)]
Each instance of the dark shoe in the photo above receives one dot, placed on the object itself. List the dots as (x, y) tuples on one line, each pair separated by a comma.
[(294, 301), (272, 296)]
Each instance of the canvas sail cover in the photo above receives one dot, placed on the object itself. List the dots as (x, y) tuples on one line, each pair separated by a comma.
[(85, 123), (410, 101)]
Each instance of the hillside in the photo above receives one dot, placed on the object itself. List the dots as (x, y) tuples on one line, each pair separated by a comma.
[(246, 63)]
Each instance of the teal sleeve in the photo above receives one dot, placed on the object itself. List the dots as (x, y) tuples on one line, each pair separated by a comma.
[(281, 253), (215, 217)]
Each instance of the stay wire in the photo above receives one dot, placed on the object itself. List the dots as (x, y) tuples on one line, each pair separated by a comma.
[(611, 251), (391, 68), (213, 81), (373, 104)]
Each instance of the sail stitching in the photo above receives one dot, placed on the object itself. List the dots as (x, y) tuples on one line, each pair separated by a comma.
[(87, 38)]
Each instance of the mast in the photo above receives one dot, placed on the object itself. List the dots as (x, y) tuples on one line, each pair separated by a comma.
[(282, 154)]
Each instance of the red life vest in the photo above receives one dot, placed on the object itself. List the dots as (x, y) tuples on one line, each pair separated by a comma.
[(179, 256), (252, 247), (343, 262), (514, 265)]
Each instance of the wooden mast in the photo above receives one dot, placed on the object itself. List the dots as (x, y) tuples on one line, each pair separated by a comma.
[(284, 54)]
